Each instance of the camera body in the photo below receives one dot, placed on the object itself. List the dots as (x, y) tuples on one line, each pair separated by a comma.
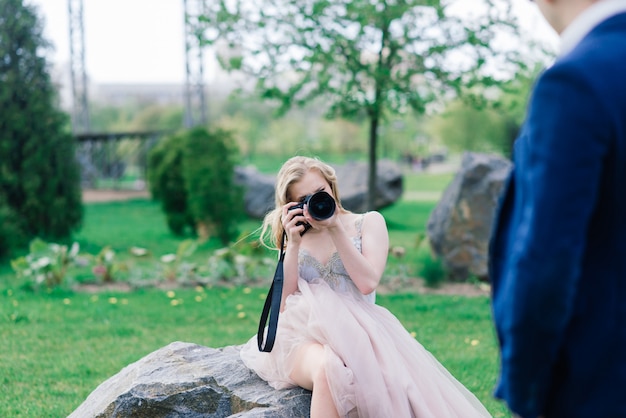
[(321, 206)]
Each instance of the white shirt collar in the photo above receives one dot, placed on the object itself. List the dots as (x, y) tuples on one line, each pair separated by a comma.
[(587, 20)]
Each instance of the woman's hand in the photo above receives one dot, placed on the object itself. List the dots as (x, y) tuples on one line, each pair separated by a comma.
[(290, 220)]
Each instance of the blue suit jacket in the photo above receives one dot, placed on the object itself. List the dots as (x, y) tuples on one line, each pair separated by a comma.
[(558, 252)]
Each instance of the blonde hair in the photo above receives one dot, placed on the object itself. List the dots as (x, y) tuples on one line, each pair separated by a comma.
[(292, 172)]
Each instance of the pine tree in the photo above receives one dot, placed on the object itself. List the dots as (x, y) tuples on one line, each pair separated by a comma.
[(39, 174)]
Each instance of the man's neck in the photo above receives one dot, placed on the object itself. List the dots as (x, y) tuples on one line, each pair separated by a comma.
[(568, 11)]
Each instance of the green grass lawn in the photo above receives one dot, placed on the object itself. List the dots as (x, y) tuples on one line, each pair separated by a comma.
[(135, 223), (427, 182), (57, 346)]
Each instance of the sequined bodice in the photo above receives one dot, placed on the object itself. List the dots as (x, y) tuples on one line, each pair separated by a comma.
[(333, 272)]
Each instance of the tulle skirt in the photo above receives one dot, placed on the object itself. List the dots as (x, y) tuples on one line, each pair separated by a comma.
[(376, 369)]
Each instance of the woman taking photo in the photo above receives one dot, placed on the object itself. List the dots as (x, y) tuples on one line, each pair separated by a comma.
[(355, 356)]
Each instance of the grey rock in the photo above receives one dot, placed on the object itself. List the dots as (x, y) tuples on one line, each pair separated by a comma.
[(258, 190), (352, 178), (460, 226), (191, 381)]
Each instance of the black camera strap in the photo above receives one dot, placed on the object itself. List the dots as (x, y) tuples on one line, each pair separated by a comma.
[(272, 305)]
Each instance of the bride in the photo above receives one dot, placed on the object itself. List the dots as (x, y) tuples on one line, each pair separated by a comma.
[(355, 356)]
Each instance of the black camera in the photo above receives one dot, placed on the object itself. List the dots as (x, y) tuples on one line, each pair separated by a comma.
[(321, 206)]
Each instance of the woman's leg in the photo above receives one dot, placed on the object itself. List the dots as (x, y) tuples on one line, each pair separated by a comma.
[(310, 373)]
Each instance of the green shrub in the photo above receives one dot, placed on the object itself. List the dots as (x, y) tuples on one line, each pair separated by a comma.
[(214, 200), (165, 175), (192, 174)]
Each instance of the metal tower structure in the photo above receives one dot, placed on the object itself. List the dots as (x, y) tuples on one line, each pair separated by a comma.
[(80, 104), (195, 103)]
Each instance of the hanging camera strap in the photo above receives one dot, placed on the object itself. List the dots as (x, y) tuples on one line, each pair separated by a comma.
[(271, 308)]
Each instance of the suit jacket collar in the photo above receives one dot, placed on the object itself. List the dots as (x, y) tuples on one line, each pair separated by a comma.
[(587, 20)]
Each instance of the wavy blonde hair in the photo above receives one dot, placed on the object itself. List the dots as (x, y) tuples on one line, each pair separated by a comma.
[(292, 172)]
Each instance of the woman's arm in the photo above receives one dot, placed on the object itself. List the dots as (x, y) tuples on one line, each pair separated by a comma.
[(365, 268), (290, 270), (291, 218)]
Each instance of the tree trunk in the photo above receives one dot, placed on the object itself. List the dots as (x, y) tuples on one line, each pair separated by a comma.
[(372, 175)]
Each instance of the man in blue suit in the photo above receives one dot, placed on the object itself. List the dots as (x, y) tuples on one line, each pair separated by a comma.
[(558, 252)]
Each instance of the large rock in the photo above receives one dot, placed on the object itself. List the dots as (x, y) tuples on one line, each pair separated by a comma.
[(460, 226), (258, 190), (352, 178), (191, 381)]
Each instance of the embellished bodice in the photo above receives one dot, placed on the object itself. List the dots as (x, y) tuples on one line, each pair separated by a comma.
[(333, 272)]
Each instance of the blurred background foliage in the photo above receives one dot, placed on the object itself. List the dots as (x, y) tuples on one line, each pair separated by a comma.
[(39, 195), (459, 125)]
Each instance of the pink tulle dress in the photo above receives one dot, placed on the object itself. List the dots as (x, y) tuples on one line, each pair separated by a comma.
[(377, 369)]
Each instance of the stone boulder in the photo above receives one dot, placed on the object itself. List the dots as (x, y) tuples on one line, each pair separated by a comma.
[(460, 226), (191, 381), (258, 190), (352, 179)]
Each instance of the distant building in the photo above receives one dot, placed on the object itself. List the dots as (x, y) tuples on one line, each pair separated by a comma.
[(155, 93)]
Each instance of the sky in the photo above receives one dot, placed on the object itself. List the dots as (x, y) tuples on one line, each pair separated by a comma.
[(126, 41), (142, 41)]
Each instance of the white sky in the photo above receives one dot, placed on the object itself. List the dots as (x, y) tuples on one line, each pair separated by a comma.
[(142, 41)]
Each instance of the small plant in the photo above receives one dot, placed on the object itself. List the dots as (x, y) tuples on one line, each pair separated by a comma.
[(221, 265), (105, 266), (47, 263), (430, 267), (238, 264), (399, 269), (432, 271), (176, 266)]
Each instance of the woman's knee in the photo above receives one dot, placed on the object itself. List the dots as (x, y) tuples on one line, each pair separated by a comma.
[(310, 366)]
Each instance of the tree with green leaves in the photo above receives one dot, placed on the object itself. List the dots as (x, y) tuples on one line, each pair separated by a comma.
[(39, 175), (366, 58)]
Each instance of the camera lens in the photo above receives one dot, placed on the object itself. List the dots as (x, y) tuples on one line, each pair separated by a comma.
[(321, 205)]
